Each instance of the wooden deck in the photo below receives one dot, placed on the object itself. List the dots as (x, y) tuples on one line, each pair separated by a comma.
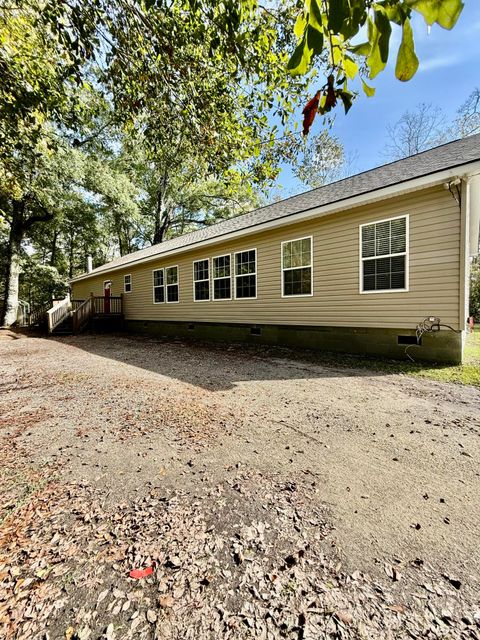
[(100, 311)]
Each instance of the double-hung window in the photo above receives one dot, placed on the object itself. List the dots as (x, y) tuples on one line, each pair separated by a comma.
[(127, 283), (297, 267), (222, 280), (246, 274), (384, 255), (201, 280), (158, 286), (171, 279)]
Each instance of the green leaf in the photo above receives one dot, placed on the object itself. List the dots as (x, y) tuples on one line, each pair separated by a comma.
[(350, 67), (379, 38), (369, 91), (347, 99), (300, 60), (362, 49), (338, 11), (407, 61), (443, 12), (300, 24), (315, 15), (314, 40), (385, 30)]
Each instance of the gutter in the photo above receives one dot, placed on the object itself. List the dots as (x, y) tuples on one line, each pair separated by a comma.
[(369, 197)]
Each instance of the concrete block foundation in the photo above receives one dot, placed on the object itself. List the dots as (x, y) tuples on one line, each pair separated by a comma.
[(441, 347)]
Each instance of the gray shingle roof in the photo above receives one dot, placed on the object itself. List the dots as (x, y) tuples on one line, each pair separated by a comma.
[(447, 156)]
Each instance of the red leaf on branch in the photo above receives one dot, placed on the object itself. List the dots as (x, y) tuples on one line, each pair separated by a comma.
[(309, 112)]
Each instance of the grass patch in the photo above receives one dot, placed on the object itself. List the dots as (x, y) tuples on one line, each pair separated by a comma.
[(466, 373)]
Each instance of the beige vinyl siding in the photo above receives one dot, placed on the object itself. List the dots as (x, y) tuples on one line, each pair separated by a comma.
[(434, 273)]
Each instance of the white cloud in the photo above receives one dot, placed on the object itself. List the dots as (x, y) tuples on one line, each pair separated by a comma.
[(440, 62)]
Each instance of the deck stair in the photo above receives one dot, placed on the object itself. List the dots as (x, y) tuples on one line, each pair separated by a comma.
[(65, 328)]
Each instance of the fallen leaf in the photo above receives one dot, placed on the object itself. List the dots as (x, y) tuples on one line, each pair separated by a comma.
[(398, 608), (140, 573), (151, 616), (344, 617), (166, 602)]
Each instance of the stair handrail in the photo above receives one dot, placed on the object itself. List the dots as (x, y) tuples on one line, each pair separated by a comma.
[(57, 314), (82, 314), (38, 315)]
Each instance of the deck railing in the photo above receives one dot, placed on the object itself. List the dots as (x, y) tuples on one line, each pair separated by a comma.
[(76, 304), (81, 314), (105, 305), (58, 313)]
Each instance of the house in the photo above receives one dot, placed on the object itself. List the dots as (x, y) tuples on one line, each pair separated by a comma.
[(353, 266)]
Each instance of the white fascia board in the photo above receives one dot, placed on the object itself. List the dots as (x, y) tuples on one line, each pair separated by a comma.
[(463, 172)]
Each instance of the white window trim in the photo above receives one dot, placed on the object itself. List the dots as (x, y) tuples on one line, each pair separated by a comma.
[(127, 275), (153, 286), (235, 275), (205, 280), (176, 284), (405, 253), (310, 266), (224, 255)]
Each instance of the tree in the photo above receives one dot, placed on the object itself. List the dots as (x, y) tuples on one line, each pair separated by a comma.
[(325, 30), (426, 127), (323, 161), (418, 130), (467, 121), (40, 77), (188, 79)]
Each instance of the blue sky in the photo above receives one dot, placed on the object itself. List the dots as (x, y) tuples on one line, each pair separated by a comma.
[(449, 71)]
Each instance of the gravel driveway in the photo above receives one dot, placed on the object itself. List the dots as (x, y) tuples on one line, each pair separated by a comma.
[(317, 501)]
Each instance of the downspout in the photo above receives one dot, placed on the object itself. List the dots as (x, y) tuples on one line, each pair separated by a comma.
[(464, 260)]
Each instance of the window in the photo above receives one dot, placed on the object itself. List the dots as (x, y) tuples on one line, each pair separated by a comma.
[(297, 267), (246, 274), (201, 280), (171, 277), (222, 280), (127, 283), (158, 286), (384, 255)]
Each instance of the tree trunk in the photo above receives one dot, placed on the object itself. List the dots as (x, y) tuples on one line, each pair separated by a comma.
[(71, 256), (162, 214), (10, 306), (53, 254)]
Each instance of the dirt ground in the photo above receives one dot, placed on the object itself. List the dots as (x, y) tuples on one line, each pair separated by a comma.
[(272, 495)]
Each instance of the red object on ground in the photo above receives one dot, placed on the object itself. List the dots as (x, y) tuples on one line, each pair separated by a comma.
[(140, 573), (309, 112)]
